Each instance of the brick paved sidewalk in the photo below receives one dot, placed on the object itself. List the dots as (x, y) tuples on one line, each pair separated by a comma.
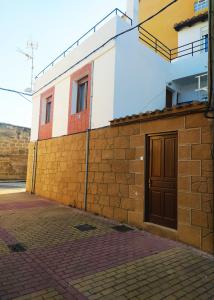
[(55, 260)]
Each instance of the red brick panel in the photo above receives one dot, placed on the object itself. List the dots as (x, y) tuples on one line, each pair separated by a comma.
[(79, 122), (45, 130)]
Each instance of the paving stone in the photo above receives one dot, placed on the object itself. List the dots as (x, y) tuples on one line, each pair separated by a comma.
[(63, 263)]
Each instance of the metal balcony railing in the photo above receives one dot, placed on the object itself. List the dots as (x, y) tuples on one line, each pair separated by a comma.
[(175, 53), (116, 11), (154, 43)]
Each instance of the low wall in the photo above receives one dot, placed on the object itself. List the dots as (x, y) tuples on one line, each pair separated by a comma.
[(14, 142), (116, 181)]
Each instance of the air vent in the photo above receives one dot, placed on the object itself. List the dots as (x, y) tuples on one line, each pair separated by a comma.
[(85, 227), (17, 248), (122, 228)]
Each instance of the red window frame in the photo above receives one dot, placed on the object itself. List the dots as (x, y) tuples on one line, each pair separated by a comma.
[(45, 129), (79, 121)]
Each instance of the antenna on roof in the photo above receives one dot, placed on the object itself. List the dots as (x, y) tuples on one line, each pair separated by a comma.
[(30, 56)]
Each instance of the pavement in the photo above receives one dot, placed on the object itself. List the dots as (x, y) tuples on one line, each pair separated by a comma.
[(10, 187), (51, 251)]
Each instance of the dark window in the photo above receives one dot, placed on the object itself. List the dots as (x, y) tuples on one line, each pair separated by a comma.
[(82, 94), (48, 112)]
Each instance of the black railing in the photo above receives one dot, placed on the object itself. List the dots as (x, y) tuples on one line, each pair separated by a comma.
[(190, 48), (116, 11), (154, 43), (175, 53)]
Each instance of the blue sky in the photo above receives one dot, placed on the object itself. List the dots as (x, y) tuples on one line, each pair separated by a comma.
[(54, 24)]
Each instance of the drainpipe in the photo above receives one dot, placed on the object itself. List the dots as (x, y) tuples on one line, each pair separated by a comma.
[(210, 113), (33, 179), (86, 168), (88, 142), (211, 56)]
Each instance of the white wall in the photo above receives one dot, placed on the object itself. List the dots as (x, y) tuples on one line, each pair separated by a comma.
[(103, 89), (191, 34), (35, 118), (61, 104), (103, 80), (188, 66), (141, 76)]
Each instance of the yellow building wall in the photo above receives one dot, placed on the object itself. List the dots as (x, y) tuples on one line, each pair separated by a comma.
[(162, 26)]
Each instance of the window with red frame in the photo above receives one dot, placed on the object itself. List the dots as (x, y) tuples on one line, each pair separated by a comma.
[(82, 92), (48, 110)]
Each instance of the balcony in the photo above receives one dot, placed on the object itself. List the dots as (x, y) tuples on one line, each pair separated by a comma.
[(189, 49)]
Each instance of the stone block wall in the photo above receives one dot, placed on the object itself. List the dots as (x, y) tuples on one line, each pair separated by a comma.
[(116, 181), (14, 142), (60, 170)]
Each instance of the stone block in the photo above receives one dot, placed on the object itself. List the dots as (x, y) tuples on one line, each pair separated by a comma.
[(207, 136), (122, 142), (192, 167), (208, 243), (128, 204), (190, 235), (207, 167), (184, 183), (109, 177), (202, 151), (131, 129), (197, 120), (115, 201), (113, 189), (184, 152), (189, 136), (199, 184), (163, 125), (189, 200), (108, 212), (136, 166), (137, 141), (184, 216), (199, 218), (124, 190), (119, 166), (139, 179), (107, 154), (136, 192), (121, 215), (125, 178), (135, 218), (119, 153), (130, 154)]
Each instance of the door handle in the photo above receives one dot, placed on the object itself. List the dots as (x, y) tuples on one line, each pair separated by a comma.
[(149, 183)]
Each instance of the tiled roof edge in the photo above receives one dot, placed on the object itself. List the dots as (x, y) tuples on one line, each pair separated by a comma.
[(191, 21), (184, 109)]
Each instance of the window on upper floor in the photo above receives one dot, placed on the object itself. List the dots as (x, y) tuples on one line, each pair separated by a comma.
[(48, 110), (82, 92), (200, 5)]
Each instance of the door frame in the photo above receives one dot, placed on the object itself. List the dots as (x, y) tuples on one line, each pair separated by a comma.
[(146, 172)]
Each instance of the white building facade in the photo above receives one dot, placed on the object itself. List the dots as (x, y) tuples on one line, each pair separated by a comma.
[(112, 73)]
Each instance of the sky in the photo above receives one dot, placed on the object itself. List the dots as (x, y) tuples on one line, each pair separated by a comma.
[(54, 25)]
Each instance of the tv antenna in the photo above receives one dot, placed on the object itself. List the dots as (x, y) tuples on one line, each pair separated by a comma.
[(32, 46)]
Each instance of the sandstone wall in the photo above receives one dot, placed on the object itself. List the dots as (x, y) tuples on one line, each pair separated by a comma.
[(116, 182), (14, 142)]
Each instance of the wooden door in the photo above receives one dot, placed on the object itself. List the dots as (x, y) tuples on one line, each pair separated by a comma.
[(161, 196), (169, 95)]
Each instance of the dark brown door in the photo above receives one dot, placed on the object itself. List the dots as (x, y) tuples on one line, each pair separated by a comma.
[(161, 204), (169, 95)]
